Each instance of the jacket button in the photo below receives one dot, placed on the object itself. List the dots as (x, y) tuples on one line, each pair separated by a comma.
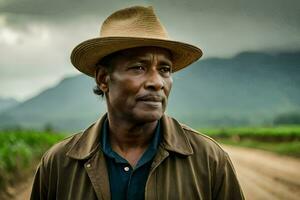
[(88, 165), (126, 169)]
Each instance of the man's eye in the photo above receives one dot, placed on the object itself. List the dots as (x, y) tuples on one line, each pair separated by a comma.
[(165, 69), (136, 67)]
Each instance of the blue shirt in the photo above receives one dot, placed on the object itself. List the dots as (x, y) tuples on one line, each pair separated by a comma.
[(125, 182)]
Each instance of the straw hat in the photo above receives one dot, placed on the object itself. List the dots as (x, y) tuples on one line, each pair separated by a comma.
[(128, 28)]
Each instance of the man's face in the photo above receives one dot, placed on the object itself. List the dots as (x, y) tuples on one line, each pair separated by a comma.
[(139, 85)]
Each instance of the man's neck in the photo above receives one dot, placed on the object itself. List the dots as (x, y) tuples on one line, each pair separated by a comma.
[(130, 140)]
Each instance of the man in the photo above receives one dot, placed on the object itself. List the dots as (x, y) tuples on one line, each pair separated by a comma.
[(135, 151)]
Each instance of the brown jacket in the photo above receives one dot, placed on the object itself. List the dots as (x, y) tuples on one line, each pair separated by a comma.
[(188, 165)]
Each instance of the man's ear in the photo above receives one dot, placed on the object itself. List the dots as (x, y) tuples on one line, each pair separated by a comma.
[(102, 77)]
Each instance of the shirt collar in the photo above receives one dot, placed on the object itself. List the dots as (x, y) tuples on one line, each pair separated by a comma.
[(173, 139)]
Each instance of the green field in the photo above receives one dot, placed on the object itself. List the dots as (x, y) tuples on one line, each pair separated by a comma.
[(280, 139), (19, 150)]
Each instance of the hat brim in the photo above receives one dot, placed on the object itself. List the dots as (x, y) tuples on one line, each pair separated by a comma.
[(87, 54)]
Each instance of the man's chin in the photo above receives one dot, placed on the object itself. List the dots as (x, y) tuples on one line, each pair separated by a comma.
[(149, 117)]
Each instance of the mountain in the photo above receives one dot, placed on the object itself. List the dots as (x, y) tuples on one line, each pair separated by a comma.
[(248, 89), (6, 103), (70, 105)]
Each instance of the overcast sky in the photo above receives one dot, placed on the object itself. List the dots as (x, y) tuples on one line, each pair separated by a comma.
[(37, 36)]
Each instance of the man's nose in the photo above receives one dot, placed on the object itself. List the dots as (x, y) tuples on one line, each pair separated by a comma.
[(154, 81)]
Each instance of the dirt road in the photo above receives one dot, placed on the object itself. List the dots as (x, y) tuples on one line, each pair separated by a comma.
[(263, 175)]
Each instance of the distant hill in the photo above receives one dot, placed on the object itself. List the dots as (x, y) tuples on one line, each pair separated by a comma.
[(250, 88), (70, 105), (6, 103)]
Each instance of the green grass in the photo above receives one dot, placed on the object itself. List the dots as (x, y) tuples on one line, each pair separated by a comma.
[(19, 149), (280, 139), (284, 148), (272, 134)]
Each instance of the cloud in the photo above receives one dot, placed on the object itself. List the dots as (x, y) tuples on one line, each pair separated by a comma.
[(59, 10), (65, 10), (37, 36)]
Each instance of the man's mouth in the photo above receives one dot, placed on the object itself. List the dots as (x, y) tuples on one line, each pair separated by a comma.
[(152, 100)]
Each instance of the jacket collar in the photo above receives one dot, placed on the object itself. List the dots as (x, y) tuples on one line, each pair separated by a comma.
[(88, 142), (174, 139)]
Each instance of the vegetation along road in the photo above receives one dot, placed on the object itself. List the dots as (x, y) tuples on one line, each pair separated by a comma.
[(263, 175)]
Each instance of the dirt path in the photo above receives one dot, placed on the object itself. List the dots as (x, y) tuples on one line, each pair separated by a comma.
[(263, 175), (21, 192)]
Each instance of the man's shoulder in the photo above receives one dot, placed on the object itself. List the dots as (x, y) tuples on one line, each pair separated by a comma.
[(59, 150), (202, 143)]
